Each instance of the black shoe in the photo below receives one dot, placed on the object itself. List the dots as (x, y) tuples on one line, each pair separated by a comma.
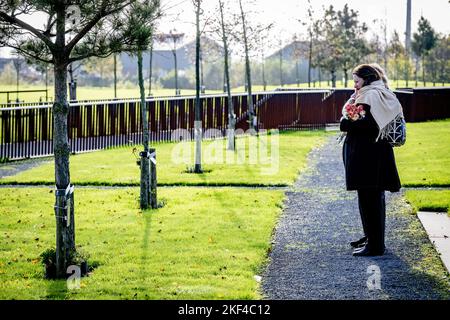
[(359, 243), (366, 252)]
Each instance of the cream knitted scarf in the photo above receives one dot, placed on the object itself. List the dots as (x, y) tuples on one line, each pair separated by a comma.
[(384, 105)]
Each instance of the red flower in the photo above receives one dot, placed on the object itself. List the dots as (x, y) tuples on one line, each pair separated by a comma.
[(353, 112)]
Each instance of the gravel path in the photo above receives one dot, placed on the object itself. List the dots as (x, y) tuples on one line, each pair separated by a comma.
[(311, 257)]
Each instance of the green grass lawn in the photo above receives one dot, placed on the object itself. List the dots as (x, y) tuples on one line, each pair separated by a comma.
[(86, 93), (425, 160), (429, 200), (286, 156), (203, 244), (90, 93)]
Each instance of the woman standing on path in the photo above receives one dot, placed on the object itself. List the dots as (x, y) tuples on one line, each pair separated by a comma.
[(369, 159)]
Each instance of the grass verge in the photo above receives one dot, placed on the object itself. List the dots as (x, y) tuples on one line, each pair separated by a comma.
[(270, 160), (429, 200), (203, 244), (424, 263), (424, 160)]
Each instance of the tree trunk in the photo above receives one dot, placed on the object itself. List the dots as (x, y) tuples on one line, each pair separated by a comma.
[(251, 112), (153, 181), (345, 78), (64, 206), (202, 85), (224, 87), (397, 72), (46, 83), (433, 72), (73, 91), (198, 115), (72, 85), (145, 156), (176, 71), (17, 80), (297, 73), (264, 75), (310, 59), (407, 71), (115, 76), (150, 70), (416, 71), (333, 78), (281, 68), (385, 52), (320, 77), (231, 115), (423, 71)]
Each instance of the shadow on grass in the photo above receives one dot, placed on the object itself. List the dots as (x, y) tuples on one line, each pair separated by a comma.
[(56, 289), (148, 216)]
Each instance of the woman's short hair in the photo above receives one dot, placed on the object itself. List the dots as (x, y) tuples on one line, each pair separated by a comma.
[(368, 73)]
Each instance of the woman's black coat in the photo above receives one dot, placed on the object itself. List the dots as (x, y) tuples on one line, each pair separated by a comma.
[(368, 164)]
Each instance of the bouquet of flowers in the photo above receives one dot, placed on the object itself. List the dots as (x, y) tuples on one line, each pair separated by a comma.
[(353, 112)]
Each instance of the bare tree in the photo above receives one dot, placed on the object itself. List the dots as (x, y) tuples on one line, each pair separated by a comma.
[(198, 107), (397, 51), (311, 38), (318, 45), (280, 57), (248, 36), (251, 111), (296, 55), (173, 38), (115, 76), (231, 114), (263, 62), (150, 69), (221, 30), (17, 63), (408, 35)]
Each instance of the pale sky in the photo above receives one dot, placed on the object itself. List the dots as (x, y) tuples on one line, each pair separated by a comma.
[(285, 14)]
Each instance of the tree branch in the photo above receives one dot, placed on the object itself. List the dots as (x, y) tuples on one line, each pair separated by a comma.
[(29, 54), (13, 20), (205, 25), (89, 55), (50, 25), (77, 67), (93, 22)]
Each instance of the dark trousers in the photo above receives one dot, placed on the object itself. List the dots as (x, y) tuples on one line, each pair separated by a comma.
[(372, 207)]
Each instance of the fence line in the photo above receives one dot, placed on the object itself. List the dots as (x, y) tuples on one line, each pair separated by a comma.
[(27, 131)]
